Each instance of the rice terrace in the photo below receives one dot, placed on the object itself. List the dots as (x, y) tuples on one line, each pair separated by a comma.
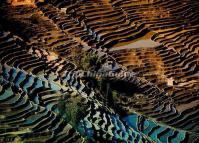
[(99, 71)]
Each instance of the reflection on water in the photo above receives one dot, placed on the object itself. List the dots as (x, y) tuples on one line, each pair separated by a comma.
[(138, 44)]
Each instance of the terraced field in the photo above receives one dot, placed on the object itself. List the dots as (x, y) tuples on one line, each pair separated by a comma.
[(148, 48)]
